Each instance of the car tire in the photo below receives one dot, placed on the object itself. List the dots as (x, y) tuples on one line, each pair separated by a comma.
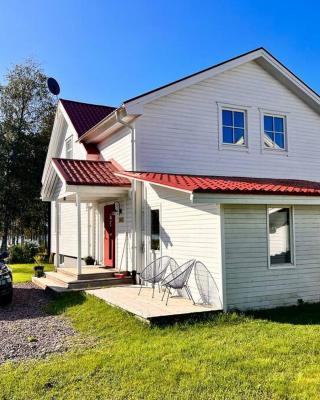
[(7, 299)]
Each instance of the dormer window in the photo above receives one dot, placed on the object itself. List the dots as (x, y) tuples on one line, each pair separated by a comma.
[(69, 147), (233, 127)]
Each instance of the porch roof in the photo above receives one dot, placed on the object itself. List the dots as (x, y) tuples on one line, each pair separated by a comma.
[(227, 185), (89, 172)]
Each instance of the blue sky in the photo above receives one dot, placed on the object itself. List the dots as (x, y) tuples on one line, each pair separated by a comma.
[(107, 51)]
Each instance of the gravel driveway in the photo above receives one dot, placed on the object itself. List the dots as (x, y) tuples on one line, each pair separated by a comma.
[(26, 330)]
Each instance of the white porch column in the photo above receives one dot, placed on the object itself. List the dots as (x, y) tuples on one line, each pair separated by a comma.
[(78, 203), (57, 226)]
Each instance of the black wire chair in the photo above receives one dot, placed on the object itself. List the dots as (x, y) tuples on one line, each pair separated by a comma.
[(178, 279), (155, 272)]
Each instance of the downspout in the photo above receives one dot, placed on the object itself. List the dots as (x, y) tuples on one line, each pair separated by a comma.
[(133, 193)]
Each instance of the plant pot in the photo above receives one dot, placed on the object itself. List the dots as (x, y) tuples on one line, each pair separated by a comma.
[(38, 271)]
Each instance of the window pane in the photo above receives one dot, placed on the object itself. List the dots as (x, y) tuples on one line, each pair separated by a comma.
[(155, 230), (238, 119), (227, 117), (227, 135), (279, 235), (278, 124), (268, 139), (268, 123), (238, 136), (279, 140)]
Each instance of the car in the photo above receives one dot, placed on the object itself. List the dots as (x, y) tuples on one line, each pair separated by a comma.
[(6, 285)]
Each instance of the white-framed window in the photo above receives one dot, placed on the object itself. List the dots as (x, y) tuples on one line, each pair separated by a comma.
[(233, 126), (69, 147), (155, 229), (274, 130), (280, 236)]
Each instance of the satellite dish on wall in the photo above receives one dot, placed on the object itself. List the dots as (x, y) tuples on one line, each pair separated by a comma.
[(53, 86)]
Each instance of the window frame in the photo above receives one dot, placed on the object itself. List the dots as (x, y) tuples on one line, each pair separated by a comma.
[(292, 263), (69, 140), (234, 108), (279, 114), (150, 227)]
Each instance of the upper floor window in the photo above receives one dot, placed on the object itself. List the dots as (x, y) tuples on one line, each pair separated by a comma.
[(274, 132), (233, 127), (69, 147)]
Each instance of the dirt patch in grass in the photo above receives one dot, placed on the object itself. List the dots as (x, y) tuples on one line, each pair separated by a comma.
[(27, 330)]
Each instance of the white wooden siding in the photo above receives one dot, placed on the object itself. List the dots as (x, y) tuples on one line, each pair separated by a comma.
[(118, 147), (187, 231), (249, 281), (78, 150), (179, 132), (68, 229)]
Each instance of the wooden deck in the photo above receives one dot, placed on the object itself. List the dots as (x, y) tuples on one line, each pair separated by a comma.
[(146, 307)]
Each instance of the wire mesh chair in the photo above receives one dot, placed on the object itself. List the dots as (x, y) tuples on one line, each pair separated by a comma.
[(155, 272), (206, 285), (178, 279)]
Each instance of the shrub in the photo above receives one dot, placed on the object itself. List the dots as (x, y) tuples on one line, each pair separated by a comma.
[(89, 260), (23, 253)]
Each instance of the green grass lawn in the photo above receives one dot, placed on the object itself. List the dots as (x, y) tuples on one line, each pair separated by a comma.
[(24, 272), (268, 355)]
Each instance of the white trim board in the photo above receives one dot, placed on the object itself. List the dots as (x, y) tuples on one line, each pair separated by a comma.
[(198, 198)]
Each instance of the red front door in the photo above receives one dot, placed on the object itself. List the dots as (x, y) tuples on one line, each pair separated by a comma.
[(109, 236)]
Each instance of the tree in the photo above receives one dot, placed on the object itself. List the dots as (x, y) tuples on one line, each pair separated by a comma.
[(26, 118)]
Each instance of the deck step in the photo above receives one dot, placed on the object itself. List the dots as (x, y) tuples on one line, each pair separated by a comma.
[(87, 274), (45, 283), (61, 282)]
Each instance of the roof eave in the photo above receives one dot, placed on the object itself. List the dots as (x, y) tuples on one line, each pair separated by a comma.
[(261, 55), (107, 126)]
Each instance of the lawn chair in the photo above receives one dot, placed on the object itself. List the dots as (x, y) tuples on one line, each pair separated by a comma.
[(155, 272), (178, 279), (206, 284)]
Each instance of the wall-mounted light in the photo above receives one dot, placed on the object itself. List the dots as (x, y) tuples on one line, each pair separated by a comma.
[(117, 208)]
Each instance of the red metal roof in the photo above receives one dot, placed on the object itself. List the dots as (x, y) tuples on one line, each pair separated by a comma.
[(88, 172), (84, 116), (230, 185)]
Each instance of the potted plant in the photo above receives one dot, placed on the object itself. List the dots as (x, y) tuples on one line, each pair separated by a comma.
[(89, 260), (39, 268)]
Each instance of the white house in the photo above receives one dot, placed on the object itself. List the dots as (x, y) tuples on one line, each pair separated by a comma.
[(222, 166)]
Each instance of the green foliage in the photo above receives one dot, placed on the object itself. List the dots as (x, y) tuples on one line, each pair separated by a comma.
[(270, 355), (26, 118), (23, 253), (24, 272)]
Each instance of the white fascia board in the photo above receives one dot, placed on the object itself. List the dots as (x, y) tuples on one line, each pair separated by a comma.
[(207, 198), (294, 80), (98, 190), (195, 79), (260, 55), (58, 172)]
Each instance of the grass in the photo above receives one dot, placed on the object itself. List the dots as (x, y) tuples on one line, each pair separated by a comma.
[(24, 272), (267, 355)]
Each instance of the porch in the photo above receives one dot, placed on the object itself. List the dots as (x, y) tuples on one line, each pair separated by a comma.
[(66, 279), (150, 309)]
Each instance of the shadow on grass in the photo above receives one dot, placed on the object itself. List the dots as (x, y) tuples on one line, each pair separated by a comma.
[(303, 314), (64, 301)]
